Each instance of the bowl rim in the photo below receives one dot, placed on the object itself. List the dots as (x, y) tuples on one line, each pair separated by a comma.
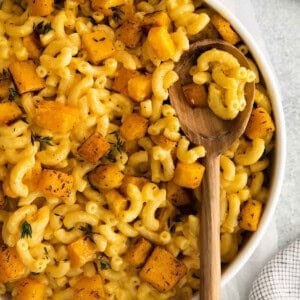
[(273, 89)]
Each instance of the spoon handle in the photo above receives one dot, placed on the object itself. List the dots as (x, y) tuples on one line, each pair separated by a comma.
[(210, 267)]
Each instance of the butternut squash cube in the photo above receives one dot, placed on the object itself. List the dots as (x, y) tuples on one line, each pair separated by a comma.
[(40, 8), (29, 288), (120, 83), (161, 42), (250, 214), (81, 251), (134, 127), (55, 183), (106, 177), (140, 87), (260, 124), (12, 267), (157, 18), (56, 116), (130, 33), (2, 199), (188, 175), (25, 76), (163, 270), (93, 148), (33, 46), (4, 88), (138, 252), (178, 195), (138, 181), (99, 4), (9, 111), (89, 288), (98, 45), (224, 28)]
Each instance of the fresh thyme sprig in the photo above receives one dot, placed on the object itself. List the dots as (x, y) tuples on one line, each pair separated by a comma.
[(118, 146), (104, 263), (44, 140), (13, 94), (41, 28), (26, 230)]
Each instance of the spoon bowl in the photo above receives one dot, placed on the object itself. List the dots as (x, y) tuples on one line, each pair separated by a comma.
[(203, 127)]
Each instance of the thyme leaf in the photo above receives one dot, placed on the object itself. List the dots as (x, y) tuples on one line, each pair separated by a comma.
[(117, 13), (44, 140), (26, 230), (116, 147), (104, 263), (13, 94), (41, 28)]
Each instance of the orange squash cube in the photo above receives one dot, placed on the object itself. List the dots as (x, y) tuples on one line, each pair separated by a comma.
[(134, 127), (89, 288), (162, 270), (81, 251), (29, 288), (25, 76), (9, 111), (140, 87), (138, 252), (94, 148), (98, 45), (12, 267)]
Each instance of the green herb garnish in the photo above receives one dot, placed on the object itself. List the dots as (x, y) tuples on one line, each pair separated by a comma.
[(26, 230), (88, 231), (116, 147), (44, 140), (13, 94), (104, 263), (41, 28), (116, 13)]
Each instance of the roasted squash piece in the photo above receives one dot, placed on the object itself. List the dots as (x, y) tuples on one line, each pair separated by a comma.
[(33, 46), (162, 270), (12, 267), (9, 111), (260, 124), (224, 29), (55, 183), (56, 116), (29, 288), (130, 33), (188, 175), (134, 127), (120, 83), (81, 251), (178, 195), (157, 18), (32, 177), (250, 213), (97, 45), (106, 177), (25, 76), (94, 147), (117, 203), (40, 8), (161, 42), (137, 253), (140, 87), (89, 288)]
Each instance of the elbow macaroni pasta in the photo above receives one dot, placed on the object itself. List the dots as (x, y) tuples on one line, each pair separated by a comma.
[(51, 201)]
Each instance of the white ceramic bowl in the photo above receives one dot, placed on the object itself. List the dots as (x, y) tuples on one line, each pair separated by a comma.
[(280, 143)]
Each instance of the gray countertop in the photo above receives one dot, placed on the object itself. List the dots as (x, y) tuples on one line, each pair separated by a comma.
[(279, 22)]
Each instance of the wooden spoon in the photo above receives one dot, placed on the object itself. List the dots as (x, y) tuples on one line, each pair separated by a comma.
[(203, 127)]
